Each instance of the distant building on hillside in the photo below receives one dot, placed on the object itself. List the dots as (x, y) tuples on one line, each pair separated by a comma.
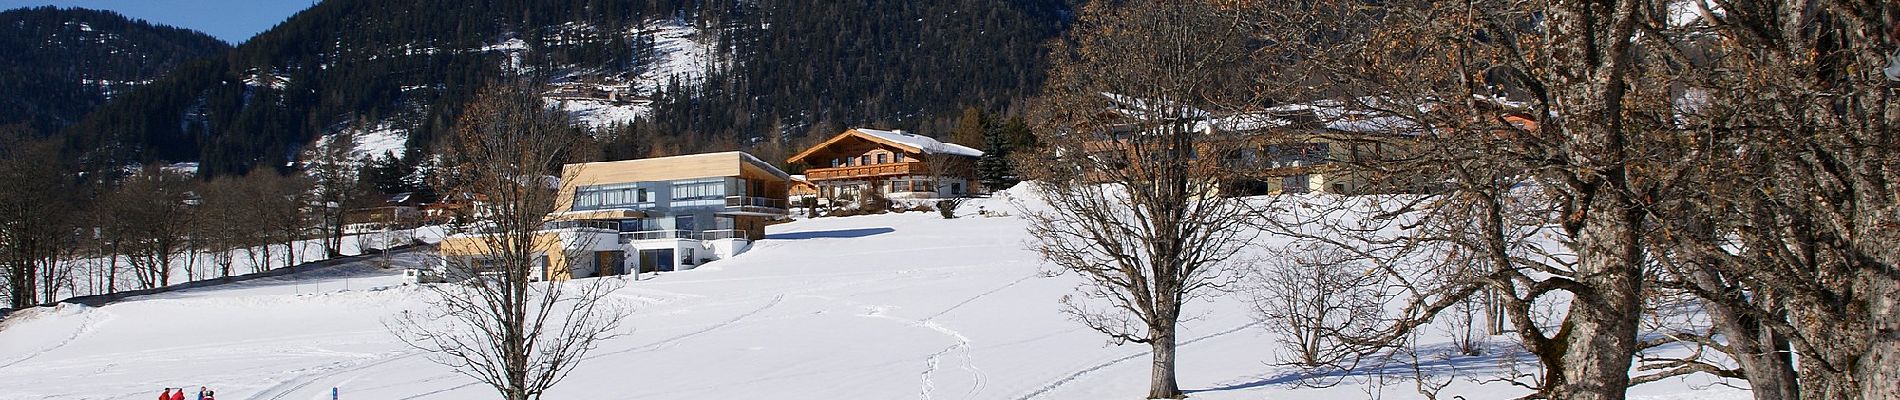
[(396, 211), (1319, 147), (656, 214), (895, 164)]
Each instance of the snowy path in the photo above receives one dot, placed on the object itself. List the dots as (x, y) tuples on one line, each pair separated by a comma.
[(919, 307)]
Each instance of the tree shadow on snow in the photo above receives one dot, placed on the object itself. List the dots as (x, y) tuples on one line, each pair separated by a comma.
[(1435, 361), (831, 234)]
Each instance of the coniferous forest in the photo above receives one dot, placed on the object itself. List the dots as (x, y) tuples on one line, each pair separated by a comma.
[(352, 63), (62, 63)]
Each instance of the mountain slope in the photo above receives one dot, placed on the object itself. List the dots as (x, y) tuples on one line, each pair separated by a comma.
[(61, 63), (763, 65)]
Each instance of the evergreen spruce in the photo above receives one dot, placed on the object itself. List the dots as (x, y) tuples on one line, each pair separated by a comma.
[(995, 168)]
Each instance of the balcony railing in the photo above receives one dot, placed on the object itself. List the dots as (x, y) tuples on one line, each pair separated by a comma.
[(724, 234), (656, 235), (675, 234), (754, 202), (602, 225), (865, 171)]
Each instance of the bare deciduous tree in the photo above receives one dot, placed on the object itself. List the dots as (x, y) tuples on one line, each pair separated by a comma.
[(334, 174), (1312, 299), (1785, 227), (1746, 159), (150, 216), (36, 218), (500, 326), (1127, 209)]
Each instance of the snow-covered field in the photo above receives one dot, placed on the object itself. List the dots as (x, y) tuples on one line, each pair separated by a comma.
[(871, 307)]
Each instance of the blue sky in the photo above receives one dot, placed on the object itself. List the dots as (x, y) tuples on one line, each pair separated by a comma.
[(232, 20)]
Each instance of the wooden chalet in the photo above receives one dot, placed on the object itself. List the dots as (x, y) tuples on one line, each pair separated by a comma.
[(895, 164)]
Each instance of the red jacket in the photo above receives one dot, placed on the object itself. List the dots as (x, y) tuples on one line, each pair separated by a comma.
[(165, 395), (178, 395)]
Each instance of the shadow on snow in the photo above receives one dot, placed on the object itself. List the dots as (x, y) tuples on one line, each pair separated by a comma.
[(831, 234), (1437, 361)]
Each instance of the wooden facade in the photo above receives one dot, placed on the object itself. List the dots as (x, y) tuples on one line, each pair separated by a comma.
[(891, 163)]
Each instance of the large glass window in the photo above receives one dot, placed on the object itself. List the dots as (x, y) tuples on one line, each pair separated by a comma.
[(700, 192), (623, 195)]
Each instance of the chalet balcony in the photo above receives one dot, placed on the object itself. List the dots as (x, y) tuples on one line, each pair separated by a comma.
[(867, 171)]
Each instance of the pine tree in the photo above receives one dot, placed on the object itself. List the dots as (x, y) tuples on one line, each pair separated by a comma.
[(994, 168), (388, 173)]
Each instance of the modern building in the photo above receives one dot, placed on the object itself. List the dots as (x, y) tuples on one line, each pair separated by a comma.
[(895, 164), (655, 214)]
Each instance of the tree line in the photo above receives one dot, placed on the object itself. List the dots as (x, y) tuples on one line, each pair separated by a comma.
[(69, 231)]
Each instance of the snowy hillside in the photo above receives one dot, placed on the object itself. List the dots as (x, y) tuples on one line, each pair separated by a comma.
[(376, 141), (871, 307), (679, 52)]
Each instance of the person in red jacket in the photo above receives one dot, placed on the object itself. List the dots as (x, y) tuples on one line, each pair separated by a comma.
[(178, 395), (166, 395)]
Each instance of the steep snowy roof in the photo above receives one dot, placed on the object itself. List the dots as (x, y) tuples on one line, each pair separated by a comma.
[(923, 143)]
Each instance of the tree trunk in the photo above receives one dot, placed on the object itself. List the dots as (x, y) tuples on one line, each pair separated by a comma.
[(112, 271), (1771, 374), (1878, 369), (1161, 382), (1765, 357), (1600, 338), (290, 252), (22, 282)]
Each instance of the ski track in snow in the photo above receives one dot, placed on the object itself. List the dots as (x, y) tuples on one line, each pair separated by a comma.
[(963, 345), (676, 339), (91, 323), (973, 299), (776, 300), (1052, 386), (440, 391), (934, 361), (302, 380)]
